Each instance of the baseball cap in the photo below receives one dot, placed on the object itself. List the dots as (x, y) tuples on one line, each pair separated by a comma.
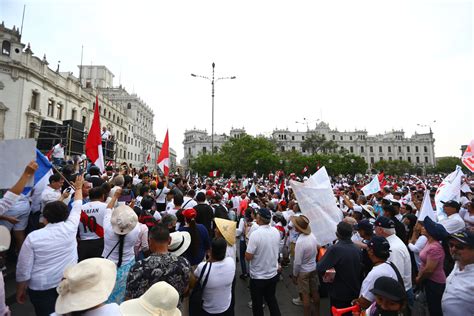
[(264, 213), (452, 203), (389, 288), (384, 222), (465, 236), (379, 245), (364, 225)]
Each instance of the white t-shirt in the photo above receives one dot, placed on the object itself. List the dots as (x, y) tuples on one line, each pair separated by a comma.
[(95, 210), (264, 244), (305, 254), (453, 223), (105, 135), (111, 239), (217, 294), (383, 269), (188, 202), (161, 197), (58, 151), (169, 207)]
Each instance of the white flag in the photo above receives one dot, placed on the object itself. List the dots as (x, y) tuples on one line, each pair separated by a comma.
[(253, 189), (426, 208), (465, 188), (316, 200), (449, 189), (372, 187)]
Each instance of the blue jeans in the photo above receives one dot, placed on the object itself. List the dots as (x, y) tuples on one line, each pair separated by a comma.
[(243, 263), (410, 297)]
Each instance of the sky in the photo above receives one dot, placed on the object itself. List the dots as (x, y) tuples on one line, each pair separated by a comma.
[(374, 65)]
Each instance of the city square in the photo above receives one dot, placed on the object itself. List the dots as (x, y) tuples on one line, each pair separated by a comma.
[(216, 158)]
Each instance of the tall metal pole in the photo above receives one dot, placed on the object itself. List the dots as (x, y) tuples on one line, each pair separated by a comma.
[(212, 132)]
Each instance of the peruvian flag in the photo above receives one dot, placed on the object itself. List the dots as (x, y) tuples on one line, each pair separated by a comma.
[(110, 163), (382, 180), (148, 158), (49, 154), (468, 156), (214, 173), (305, 169), (94, 140), (164, 157)]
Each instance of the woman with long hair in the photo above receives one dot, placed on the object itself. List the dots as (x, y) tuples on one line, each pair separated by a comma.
[(120, 236), (200, 241)]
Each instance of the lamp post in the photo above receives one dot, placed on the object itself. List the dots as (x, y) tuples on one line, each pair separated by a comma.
[(212, 80)]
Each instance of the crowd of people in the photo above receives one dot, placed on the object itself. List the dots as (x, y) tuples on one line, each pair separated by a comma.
[(135, 243)]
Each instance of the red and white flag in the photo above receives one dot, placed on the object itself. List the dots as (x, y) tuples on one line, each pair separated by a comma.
[(110, 163), (468, 156), (305, 169), (214, 173), (164, 157), (49, 154), (94, 140), (148, 158)]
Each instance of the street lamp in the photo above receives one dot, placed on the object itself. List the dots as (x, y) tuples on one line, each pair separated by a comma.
[(212, 80)]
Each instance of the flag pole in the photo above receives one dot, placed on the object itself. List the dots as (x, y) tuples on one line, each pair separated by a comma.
[(62, 176)]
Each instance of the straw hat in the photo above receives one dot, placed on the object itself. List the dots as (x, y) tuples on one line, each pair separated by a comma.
[(85, 285), (302, 223), (370, 210), (227, 229), (180, 242), (160, 299), (5, 238), (123, 219)]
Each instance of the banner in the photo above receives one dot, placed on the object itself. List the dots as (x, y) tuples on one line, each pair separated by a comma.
[(449, 189), (15, 154), (316, 201)]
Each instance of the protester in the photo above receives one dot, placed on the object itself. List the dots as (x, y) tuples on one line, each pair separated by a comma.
[(91, 228), (160, 299), (241, 233), (205, 214), (47, 252), (200, 241), (305, 275), (390, 298), (161, 265), (219, 271), (399, 255), (344, 258), (85, 287), (226, 229), (457, 296), (120, 236), (453, 223), (262, 254), (378, 250)]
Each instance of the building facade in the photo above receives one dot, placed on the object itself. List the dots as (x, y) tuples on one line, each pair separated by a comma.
[(417, 149), (31, 92)]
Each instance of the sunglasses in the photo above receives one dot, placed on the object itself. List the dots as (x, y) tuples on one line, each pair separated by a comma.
[(457, 246)]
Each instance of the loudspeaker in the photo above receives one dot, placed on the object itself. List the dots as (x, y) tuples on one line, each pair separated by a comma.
[(74, 135), (49, 135)]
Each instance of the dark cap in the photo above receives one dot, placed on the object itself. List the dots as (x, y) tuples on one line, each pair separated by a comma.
[(264, 213), (380, 246), (435, 230), (364, 225), (465, 236), (389, 288), (384, 222), (452, 203)]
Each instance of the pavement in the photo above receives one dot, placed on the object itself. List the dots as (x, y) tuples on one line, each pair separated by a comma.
[(286, 291)]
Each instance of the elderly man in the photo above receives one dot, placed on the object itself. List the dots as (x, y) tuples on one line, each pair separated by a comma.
[(457, 297), (399, 254), (262, 254), (453, 223)]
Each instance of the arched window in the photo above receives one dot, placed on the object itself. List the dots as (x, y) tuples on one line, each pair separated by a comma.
[(6, 46)]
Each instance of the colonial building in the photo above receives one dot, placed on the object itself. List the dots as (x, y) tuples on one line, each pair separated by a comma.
[(31, 93), (417, 149)]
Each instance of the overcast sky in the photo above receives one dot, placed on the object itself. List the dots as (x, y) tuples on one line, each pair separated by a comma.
[(376, 65)]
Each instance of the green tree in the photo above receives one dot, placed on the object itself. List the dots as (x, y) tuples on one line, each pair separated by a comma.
[(395, 167), (316, 143), (448, 165)]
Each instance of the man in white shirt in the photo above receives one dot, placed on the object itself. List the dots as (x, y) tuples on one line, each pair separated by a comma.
[(188, 200), (105, 134), (51, 193), (91, 228), (262, 254), (399, 255), (378, 250), (453, 223), (58, 154), (47, 252), (457, 296), (305, 276)]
